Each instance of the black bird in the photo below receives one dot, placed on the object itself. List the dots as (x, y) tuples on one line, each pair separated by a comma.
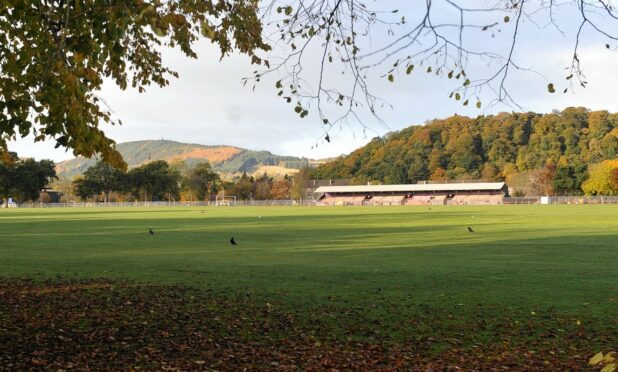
[(470, 229), (327, 138), (151, 232), (233, 242)]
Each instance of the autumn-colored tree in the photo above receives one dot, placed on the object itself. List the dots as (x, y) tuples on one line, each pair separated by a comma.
[(487, 147), (542, 179), (439, 175), (261, 187), (490, 173), (280, 190), (55, 56), (298, 183), (601, 179), (614, 179)]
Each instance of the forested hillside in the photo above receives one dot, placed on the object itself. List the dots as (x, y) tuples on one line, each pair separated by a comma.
[(548, 153), (224, 159)]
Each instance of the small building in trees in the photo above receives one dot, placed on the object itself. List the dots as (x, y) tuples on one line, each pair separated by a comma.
[(465, 193), (50, 196)]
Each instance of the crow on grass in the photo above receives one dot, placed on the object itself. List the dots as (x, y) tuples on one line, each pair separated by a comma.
[(233, 242), (150, 232), (470, 229)]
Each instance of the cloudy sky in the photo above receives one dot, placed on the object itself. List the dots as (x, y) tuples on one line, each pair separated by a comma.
[(208, 104)]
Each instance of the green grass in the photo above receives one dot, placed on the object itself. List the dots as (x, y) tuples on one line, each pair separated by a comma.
[(384, 263)]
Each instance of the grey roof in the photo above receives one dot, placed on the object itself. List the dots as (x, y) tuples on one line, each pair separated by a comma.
[(480, 186)]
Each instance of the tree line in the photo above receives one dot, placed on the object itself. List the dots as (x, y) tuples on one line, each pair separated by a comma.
[(565, 152), (160, 181), (23, 179)]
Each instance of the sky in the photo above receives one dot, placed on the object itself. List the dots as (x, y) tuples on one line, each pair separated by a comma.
[(208, 104)]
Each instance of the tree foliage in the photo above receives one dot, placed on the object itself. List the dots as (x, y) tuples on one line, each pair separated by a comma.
[(154, 181), (23, 179), (298, 184), (568, 179), (601, 179), (280, 189), (202, 181), (243, 188), (262, 187), (55, 56), (487, 147), (101, 178)]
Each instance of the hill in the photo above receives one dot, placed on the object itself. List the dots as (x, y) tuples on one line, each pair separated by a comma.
[(528, 150), (227, 160)]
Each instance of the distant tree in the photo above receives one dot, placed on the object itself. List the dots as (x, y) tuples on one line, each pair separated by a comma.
[(243, 188), (614, 179), (490, 173), (23, 179), (102, 178), (518, 193), (542, 179), (397, 174), (439, 175), (609, 144), (261, 188), (202, 181), (154, 181), (298, 183), (568, 179), (280, 189), (85, 189), (489, 147), (601, 179)]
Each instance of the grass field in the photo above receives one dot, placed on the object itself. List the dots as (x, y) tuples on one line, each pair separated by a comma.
[(388, 274)]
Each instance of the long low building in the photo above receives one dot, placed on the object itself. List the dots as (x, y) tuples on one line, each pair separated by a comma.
[(469, 193)]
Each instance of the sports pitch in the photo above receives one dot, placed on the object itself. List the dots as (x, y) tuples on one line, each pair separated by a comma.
[(548, 266)]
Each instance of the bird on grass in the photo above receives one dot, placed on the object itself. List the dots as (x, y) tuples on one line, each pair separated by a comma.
[(233, 242), (150, 231), (470, 229)]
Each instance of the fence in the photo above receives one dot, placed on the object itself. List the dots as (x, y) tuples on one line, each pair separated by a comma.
[(521, 200), (304, 203), (583, 199), (260, 203), (563, 200)]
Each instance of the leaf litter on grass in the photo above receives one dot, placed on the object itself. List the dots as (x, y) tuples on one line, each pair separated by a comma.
[(63, 324)]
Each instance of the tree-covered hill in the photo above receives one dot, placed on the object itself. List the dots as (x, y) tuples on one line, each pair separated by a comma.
[(224, 159), (524, 148)]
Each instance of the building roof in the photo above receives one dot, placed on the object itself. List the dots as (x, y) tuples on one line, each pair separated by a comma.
[(481, 186)]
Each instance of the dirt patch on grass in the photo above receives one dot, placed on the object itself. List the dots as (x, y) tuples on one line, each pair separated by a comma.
[(62, 324)]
